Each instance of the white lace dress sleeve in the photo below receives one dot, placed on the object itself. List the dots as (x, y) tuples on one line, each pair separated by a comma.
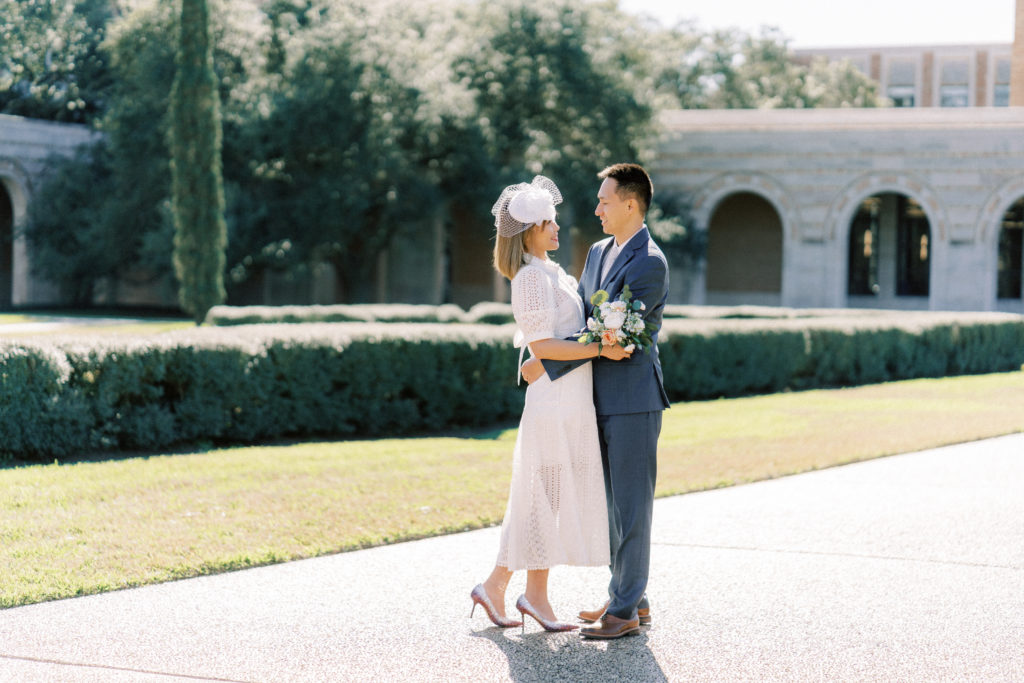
[(533, 304)]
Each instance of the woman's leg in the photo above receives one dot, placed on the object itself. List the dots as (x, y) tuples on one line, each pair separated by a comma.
[(537, 592), (495, 586)]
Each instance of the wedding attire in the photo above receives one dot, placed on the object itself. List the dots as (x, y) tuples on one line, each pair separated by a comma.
[(556, 512), (629, 398)]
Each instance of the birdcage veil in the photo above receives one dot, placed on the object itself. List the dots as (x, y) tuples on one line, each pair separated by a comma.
[(522, 205)]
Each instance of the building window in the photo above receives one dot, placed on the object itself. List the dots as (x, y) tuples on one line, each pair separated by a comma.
[(953, 96), (1001, 95), (1001, 86), (913, 249), (901, 95), (1011, 250), (863, 273), (901, 77), (890, 248), (954, 84)]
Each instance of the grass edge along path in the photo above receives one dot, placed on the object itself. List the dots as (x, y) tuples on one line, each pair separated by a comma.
[(89, 527)]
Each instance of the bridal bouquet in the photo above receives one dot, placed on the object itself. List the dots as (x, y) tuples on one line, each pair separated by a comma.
[(618, 322)]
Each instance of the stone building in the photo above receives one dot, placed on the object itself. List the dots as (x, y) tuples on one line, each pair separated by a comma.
[(25, 146), (897, 208), (918, 206)]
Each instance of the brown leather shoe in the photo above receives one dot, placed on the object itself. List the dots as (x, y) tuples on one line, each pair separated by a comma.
[(643, 613), (594, 614), (611, 627)]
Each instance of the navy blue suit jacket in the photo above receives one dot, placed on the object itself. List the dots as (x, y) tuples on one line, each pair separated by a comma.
[(633, 385)]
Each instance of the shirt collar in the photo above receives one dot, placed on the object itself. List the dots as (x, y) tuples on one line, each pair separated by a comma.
[(547, 264), (631, 239)]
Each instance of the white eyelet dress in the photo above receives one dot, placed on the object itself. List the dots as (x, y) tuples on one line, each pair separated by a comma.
[(556, 512)]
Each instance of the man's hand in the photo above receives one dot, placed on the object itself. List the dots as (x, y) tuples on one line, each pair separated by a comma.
[(533, 369)]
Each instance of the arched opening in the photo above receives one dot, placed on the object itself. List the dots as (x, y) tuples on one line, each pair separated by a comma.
[(6, 247), (889, 256), (744, 253), (1011, 254)]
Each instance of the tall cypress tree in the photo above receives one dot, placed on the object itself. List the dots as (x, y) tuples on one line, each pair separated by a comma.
[(200, 231)]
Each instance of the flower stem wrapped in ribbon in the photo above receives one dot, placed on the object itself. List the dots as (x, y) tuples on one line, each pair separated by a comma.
[(618, 322)]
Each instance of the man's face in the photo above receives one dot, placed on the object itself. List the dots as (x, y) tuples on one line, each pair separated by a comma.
[(614, 211)]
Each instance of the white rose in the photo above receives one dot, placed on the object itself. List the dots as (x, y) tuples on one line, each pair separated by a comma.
[(618, 306), (629, 348), (591, 324), (605, 307), (614, 320)]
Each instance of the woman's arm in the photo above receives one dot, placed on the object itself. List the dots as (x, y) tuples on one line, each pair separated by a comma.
[(563, 349)]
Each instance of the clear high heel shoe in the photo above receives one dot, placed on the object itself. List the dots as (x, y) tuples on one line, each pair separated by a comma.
[(479, 597), (524, 607)]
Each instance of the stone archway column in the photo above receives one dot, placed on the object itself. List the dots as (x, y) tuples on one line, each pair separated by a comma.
[(17, 192), (1017, 59)]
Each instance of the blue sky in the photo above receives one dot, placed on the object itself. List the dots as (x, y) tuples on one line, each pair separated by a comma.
[(844, 23)]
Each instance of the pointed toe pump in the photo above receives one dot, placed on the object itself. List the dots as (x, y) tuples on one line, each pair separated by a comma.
[(479, 597), (524, 607)]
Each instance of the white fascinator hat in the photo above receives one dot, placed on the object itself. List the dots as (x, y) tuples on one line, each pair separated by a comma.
[(522, 205)]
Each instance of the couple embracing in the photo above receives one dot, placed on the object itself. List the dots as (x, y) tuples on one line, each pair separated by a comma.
[(585, 458)]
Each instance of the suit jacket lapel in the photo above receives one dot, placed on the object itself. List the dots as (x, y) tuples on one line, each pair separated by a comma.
[(625, 256), (592, 275)]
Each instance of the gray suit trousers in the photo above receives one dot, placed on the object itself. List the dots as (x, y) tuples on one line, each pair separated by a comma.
[(629, 449)]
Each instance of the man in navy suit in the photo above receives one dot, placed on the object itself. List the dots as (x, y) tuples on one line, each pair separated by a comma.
[(629, 395)]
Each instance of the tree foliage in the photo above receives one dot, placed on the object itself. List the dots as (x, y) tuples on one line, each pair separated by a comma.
[(348, 123), (72, 246), (735, 70), (200, 234), (51, 64), (336, 161), (554, 94)]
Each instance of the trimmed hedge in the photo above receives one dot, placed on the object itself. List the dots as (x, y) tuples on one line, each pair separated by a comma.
[(251, 383), (494, 313), (486, 312), (245, 384), (713, 358)]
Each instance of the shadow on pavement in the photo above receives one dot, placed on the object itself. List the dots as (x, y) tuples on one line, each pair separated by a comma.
[(542, 656)]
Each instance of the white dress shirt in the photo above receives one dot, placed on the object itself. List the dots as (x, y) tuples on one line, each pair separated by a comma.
[(613, 253)]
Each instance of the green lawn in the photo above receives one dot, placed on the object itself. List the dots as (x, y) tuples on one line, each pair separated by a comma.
[(82, 528), (10, 318), (80, 324), (96, 329)]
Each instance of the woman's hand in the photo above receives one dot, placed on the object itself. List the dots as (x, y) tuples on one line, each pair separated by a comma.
[(532, 370), (615, 352)]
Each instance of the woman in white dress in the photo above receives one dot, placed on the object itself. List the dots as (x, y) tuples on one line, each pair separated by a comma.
[(556, 512)]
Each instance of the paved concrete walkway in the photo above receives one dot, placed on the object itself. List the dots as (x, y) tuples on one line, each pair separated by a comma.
[(908, 568)]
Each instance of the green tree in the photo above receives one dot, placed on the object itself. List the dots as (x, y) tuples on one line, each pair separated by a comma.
[(197, 187), (839, 84), (732, 69), (347, 124), (559, 90), (357, 143), (51, 63), (68, 229)]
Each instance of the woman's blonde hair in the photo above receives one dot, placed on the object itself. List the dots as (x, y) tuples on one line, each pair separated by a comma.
[(509, 252)]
